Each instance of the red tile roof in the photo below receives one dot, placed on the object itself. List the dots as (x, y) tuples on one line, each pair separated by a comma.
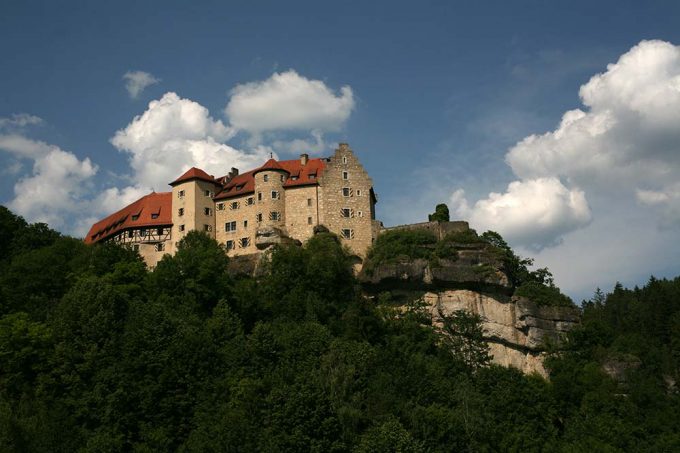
[(144, 210), (194, 173), (299, 176)]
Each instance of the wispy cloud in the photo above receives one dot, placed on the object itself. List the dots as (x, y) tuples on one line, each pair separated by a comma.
[(138, 81)]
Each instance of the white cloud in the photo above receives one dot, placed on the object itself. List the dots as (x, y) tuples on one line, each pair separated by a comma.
[(137, 81), (533, 213), (57, 186), (173, 135), (288, 101), (623, 145), (19, 120), (628, 138)]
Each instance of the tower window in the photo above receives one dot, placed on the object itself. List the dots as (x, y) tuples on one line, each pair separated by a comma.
[(208, 193), (275, 195), (346, 192), (250, 201), (344, 159), (259, 196), (348, 233), (207, 211), (180, 194), (346, 212), (265, 178), (180, 212), (345, 175)]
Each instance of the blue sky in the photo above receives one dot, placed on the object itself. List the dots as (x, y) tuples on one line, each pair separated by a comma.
[(437, 100)]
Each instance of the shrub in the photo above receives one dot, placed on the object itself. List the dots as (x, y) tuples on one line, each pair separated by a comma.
[(543, 295)]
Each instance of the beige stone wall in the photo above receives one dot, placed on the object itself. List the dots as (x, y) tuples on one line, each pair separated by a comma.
[(150, 255), (194, 202), (302, 212), (244, 215), (267, 204), (359, 202)]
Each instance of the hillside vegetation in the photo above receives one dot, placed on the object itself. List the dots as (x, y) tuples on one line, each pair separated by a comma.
[(97, 354)]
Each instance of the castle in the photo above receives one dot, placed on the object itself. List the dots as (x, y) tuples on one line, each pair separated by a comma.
[(248, 212)]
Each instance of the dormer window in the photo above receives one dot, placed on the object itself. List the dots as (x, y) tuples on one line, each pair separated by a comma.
[(294, 178), (135, 217), (154, 216), (239, 187), (312, 176)]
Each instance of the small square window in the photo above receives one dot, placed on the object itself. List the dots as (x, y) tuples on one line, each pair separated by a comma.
[(309, 201), (360, 213), (346, 212), (244, 242), (234, 205), (347, 233), (180, 212), (275, 195), (207, 227), (274, 215), (207, 211), (231, 245), (135, 247), (265, 178), (208, 193), (309, 220), (346, 192), (220, 206), (160, 247), (250, 201), (181, 228), (180, 194)]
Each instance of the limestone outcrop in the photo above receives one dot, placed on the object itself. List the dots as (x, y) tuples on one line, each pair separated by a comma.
[(515, 328)]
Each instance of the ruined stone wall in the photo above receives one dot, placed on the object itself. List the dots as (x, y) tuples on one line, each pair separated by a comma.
[(344, 171), (302, 212), (440, 229)]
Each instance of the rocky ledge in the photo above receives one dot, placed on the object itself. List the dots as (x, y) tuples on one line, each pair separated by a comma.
[(516, 329)]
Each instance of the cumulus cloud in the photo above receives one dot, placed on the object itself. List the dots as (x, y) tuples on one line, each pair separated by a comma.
[(57, 185), (173, 135), (535, 213), (138, 81), (624, 142), (288, 101)]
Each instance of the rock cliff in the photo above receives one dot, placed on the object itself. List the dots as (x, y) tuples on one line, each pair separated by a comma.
[(516, 329)]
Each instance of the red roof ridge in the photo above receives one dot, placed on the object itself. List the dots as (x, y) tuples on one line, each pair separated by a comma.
[(271, 164), (194, 173)]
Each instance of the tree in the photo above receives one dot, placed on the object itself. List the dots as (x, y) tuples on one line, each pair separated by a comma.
[(441, 213), (463, 335)]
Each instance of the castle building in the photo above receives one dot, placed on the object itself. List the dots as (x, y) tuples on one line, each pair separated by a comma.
[(287, 198)]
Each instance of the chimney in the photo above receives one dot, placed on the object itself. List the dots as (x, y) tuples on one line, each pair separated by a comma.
[(233, 172), (303, 159)]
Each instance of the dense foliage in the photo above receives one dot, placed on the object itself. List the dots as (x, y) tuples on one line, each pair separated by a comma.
[(97, 353)]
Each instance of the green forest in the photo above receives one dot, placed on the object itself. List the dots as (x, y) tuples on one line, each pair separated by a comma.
[(100, 354)]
